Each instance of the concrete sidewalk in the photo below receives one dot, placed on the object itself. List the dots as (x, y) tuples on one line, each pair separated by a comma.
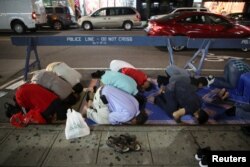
[(46, 145)]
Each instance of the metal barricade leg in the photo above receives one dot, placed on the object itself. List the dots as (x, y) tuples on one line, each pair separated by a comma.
[(170, 51), (31, 47), (37, 58), (203, 50), (27, 63), (204, 55)]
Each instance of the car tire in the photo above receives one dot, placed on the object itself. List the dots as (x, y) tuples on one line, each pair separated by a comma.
[(178, 48), (245, 49), (87, 26), (127, 25), (18, 27), (57, 25)]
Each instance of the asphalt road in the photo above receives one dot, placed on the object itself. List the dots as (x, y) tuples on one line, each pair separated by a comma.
[(87, 58)]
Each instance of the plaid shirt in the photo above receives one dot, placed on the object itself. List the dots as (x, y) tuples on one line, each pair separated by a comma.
[(241, 66)]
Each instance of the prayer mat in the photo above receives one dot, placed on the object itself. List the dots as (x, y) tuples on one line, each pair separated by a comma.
[(157, 116)]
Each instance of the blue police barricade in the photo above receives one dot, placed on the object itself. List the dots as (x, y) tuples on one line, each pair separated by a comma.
[(202, 44), (216, 43)]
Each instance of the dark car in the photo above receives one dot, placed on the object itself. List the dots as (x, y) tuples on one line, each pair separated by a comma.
[(58, 17), (241, 18), (196, 25)]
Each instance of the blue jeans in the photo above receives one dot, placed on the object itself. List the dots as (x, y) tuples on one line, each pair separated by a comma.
[(243, 111), (230, 78)]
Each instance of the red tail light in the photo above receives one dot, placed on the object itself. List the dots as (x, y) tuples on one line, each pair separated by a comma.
[(155, 26), (138, 16), (33, 15)]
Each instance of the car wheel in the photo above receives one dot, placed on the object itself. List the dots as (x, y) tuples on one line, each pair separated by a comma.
[(127, 25), (18, 27), (178, 48), (57, 25), (87, 26), (245, 49)]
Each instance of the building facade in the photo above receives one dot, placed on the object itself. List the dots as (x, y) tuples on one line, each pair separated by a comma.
[(225, 7), (148, 8)]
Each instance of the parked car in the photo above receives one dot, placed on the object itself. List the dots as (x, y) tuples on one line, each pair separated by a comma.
[(58, 17), (179, 10), (111, 17), (196, 25), (21, 16), (241, 18)]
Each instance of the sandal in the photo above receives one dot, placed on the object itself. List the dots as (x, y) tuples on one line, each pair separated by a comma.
[(131, 142), (118, 144)]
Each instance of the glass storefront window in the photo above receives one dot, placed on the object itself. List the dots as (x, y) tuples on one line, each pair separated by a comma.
[(225, 8)]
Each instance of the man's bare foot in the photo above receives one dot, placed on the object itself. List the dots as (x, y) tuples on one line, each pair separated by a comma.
[(226, 95), (221, 92)]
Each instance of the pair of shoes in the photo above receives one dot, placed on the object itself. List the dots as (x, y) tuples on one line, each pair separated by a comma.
[(124, 143), (201, 152), (131, 142), (201, 156), (203, 162), (210, 80), (117, 144)]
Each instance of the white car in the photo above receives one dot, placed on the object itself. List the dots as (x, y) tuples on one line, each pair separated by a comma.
[(22, 15), (178, 10), (111, 17)]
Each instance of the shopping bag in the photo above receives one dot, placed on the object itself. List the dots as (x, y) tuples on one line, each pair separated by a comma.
[(75, 125)]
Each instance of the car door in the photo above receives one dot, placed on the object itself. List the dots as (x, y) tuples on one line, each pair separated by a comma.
[(220, 27), (49, 12), (101, 18), (3, 16), (195, 26), (115, 17)]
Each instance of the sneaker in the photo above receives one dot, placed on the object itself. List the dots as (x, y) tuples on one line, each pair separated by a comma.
[(201, 152), (210, 80), (203, 162)]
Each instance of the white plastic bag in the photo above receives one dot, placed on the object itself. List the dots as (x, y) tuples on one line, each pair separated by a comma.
[(75, 125)]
